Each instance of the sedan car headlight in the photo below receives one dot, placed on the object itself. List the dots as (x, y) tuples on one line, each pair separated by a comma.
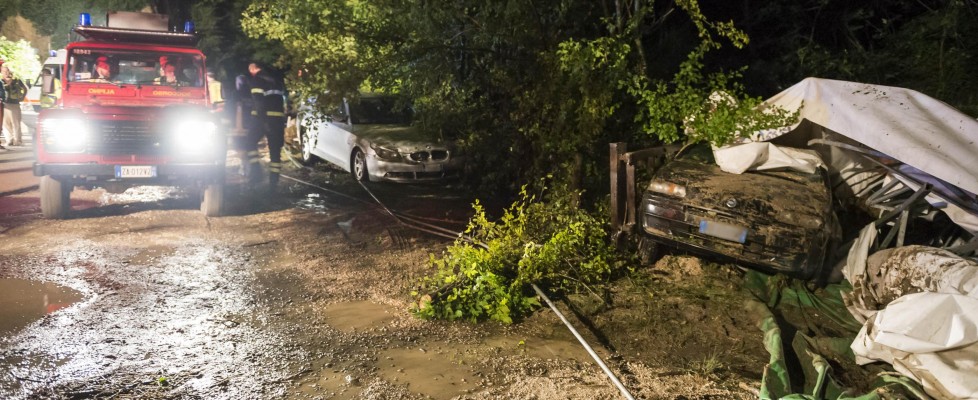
[(385, 153), (65, 135), (668, 188)]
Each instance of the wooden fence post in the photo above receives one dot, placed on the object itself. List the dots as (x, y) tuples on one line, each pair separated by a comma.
[(618, 209)]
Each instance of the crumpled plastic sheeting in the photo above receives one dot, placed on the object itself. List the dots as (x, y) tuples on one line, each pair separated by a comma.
[(901, 123), (928, 329), (889, 274), (761, 156), (930, 337)]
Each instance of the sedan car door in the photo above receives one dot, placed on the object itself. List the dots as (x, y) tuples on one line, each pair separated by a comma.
[(335, 141)]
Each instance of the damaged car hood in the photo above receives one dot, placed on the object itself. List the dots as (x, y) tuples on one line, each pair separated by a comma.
[(799, 200), (407, 137)]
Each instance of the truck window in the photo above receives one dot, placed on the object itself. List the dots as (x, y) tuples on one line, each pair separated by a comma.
[(135, 67)]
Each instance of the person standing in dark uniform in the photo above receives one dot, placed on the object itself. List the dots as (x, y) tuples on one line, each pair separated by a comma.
[(268, 95), (243, 119)]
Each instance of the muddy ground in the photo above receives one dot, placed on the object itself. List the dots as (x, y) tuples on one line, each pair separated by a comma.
[(305, 296)]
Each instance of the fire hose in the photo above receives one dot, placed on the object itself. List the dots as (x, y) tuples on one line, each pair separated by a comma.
[(414, 223)]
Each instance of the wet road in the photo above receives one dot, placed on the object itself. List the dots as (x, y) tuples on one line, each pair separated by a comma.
[(303, 294), (136, 295), (15, 162), (300, 295)]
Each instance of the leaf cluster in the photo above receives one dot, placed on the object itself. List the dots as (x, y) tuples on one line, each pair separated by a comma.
[(487, 274), (20, 58)]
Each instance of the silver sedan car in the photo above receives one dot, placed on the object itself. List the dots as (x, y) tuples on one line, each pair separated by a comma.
[(374, 139)]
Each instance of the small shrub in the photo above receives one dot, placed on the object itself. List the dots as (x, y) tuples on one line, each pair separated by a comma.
[(487, 273)]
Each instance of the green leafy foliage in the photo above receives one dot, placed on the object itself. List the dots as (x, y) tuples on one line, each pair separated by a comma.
[(550, 243), (698, 107), (20, 58), (529, 89)]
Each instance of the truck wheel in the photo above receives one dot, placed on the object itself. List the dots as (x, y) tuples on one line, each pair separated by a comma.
[(212, 204), (55, 198)]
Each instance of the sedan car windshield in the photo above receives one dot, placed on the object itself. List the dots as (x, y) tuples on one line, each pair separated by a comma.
[(380, 110)]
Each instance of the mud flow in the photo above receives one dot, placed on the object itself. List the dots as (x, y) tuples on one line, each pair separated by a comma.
[(304, 295)]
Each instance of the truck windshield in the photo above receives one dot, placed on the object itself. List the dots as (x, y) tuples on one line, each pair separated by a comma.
[(135, 67)]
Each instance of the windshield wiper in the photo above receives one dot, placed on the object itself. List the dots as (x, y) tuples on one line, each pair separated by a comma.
[(100, 80)]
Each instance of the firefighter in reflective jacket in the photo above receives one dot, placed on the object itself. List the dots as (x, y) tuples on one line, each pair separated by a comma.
[(269, 102)]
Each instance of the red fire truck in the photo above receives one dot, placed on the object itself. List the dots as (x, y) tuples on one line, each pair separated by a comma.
[(134, 110)]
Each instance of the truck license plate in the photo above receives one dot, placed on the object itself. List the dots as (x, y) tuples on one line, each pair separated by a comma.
[(734, 233), (135, 171)]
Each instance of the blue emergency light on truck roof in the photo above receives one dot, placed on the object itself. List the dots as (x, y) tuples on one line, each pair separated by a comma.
[(124, 23)]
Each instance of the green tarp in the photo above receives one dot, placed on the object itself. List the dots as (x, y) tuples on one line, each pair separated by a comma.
[(816, 329)]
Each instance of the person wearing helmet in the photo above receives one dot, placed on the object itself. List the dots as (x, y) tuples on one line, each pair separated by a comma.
[(103, 70)]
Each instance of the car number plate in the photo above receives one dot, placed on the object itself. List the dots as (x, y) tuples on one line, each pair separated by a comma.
[(135, 171), (432, 167), (731, 232)]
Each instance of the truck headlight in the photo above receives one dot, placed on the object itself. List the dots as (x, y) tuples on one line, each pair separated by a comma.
[(195, 136), (65, 135), (385, 153)]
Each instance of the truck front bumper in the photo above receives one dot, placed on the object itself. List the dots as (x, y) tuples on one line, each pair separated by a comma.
[(165, 173)]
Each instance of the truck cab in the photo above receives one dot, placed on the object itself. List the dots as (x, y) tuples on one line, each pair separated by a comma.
[(134, 110)]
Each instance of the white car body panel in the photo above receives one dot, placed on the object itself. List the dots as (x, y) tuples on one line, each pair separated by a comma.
[(420, 160)]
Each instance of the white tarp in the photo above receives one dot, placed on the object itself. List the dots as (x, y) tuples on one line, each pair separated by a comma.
[(901, 123), (919, 308), (762, 156), (929, 337), (924, 133)]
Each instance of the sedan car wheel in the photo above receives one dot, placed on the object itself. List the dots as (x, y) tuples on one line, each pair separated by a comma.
[(359, 167), (307, 156)]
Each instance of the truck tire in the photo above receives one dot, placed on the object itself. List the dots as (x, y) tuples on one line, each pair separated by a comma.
[(212, 204), (55, 198)]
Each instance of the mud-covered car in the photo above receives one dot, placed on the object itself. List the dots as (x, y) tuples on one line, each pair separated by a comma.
[(778, 221), (374, 138)]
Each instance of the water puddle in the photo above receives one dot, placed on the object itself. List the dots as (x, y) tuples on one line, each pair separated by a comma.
[(313, 202), (358, 316), (437, 374), (331, 384), (23, 302), (544, 348)]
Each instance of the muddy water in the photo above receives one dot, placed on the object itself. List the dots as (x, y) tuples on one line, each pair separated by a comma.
[(358, 315), (23, 302), (275, 301)]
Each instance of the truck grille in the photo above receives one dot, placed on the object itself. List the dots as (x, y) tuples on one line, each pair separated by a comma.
[(124, 137)]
